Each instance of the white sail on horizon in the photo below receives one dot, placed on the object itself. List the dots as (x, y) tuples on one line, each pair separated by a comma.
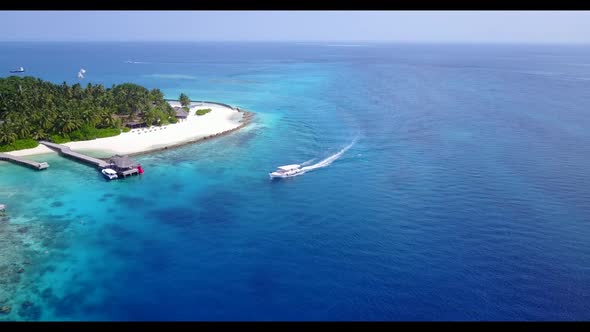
[(81, 73)]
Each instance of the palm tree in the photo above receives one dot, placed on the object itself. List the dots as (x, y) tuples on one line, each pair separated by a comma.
[(156, 95), (46, 120), (31, 107), (184, 100), (7, 136), (66, 124), (88, 114), (107, 120), (22, 129), (39, 134)]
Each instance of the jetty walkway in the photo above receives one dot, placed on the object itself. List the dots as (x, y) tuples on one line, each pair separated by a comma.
[(66, 151), (24, 162)]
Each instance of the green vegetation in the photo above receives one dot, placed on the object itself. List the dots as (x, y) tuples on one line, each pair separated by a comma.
[(19, 144), (31, 108), (59, 139), (87, 133), (184, 100), (203, 111)]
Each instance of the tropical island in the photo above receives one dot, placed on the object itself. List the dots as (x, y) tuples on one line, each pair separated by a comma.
[(125, 118)]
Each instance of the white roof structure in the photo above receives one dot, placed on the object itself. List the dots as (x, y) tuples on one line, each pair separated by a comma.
[(289, 167)]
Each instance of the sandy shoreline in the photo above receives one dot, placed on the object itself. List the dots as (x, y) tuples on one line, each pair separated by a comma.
[(219, 121)]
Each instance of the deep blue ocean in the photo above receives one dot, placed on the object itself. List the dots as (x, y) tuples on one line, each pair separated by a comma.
[(466, 195)]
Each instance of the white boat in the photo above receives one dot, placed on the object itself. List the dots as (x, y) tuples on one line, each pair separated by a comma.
[(20, 70), (286, 171), (109, 173)]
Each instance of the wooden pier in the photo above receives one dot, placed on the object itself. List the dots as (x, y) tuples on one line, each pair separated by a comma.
[(66, 151), (130, 172), (24, 162), (121, 164)]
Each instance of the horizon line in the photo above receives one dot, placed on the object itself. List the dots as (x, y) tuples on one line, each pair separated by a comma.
[(306, 41)]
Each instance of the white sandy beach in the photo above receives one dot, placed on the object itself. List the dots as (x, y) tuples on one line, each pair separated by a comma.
[(220, 119)]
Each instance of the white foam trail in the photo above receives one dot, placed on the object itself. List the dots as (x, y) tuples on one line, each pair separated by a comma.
[(329, 160), (308, 162)]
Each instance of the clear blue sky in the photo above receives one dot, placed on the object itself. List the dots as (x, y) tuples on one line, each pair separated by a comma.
[(405, 26)]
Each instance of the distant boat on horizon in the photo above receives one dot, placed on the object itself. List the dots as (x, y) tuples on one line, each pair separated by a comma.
[(19, 70), (81, 73)]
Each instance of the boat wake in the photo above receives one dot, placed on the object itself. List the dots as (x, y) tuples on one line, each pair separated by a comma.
[(296, 169), (308, 162), (326, 162)]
